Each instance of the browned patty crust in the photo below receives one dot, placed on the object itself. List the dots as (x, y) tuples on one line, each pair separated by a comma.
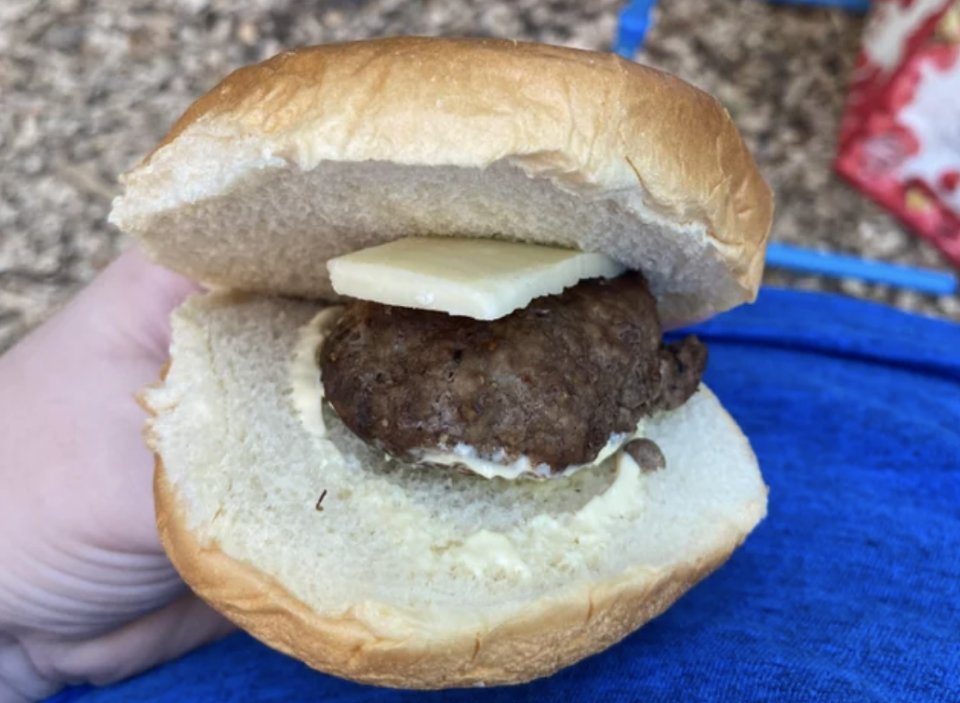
[(552, 381)]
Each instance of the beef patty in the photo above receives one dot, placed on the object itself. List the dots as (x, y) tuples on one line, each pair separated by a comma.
[(552, 381)]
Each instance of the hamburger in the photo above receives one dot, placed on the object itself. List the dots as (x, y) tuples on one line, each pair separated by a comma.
[(423, 430)]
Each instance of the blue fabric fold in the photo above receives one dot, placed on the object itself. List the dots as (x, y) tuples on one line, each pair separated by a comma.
[(850, 590)]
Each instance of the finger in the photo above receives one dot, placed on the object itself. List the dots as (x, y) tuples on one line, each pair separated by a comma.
[(20, 682), (135, 297), (164, 635)]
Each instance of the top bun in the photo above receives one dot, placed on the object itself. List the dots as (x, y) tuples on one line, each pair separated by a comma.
[(322, 151)]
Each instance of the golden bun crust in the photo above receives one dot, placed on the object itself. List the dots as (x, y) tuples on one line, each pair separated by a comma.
[(642, 166), (548, 637)]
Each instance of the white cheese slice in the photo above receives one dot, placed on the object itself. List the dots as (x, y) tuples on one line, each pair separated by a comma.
[(480, 278)]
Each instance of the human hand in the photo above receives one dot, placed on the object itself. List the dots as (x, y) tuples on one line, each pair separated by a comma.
[(86, 592)]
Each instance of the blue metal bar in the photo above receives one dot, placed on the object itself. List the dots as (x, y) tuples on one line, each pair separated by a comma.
[(632, 27), (842, 266)]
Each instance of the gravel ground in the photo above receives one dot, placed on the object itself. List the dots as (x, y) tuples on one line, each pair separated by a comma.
[(88, 86)]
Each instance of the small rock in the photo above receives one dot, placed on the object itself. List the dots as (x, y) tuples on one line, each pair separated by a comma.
[(950, 306), (66, 7), (29, 134), (909, 300), (32, 164), (854, 287), (64, 38), (248, 33), (333, 19)]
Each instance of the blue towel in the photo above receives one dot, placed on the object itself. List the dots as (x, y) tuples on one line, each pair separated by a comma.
[(850, 590)]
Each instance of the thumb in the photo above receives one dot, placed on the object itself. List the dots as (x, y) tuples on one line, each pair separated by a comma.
[(159, 637), (131, 302)]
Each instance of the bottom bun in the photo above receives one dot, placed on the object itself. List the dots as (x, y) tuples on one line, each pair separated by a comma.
[(411, 577)]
